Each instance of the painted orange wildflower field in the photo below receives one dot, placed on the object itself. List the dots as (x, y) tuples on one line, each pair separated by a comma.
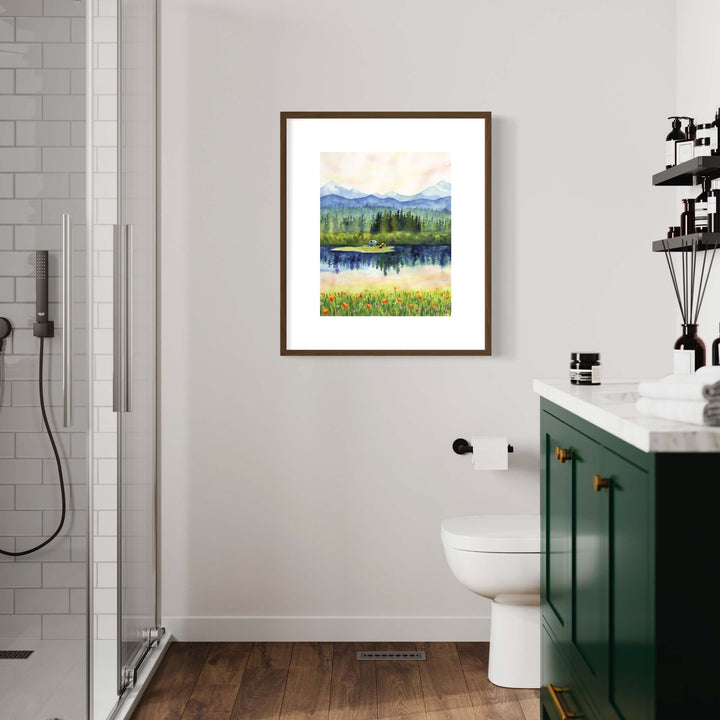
[(391, 303)]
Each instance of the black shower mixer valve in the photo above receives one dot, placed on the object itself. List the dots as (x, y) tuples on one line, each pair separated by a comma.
[(5, 330)]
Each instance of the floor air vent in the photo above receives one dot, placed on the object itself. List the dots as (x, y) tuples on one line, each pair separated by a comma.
[(15, 654), (391, 655)]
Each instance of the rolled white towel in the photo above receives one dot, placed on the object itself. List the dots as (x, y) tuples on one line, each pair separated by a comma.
[(695, 412), (710, 375), (704, 384)]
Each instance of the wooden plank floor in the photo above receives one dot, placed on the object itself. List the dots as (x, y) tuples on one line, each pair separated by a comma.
[(291, 681)]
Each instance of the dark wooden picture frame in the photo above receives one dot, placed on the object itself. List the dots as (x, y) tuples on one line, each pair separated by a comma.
[(284, 117)]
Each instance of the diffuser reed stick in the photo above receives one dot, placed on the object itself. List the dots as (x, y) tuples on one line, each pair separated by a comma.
[(689, 289), (673, 277)]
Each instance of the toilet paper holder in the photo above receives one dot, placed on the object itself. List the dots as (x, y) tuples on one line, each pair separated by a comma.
[(463, 447)]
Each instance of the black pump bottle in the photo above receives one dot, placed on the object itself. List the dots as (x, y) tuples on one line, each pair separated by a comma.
[(675, 134), (690, 128)]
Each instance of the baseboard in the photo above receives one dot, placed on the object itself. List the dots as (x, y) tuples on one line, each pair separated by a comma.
[(328, 629)]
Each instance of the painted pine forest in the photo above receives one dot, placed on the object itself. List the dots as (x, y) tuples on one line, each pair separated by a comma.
[(347, 227)]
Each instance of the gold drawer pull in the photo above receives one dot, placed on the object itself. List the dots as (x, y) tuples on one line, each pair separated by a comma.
[(562, 454), (600, 483), (555, 695)]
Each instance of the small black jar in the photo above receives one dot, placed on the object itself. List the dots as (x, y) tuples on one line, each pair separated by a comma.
[(585, 368)]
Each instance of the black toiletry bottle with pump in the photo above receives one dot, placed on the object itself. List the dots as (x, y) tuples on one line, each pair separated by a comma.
[(690, 128), (716, 351), (687, 217), (701, 206), (675, 134)]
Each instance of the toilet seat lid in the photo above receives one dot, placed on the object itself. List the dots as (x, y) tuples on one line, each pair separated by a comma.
[(493, 533)]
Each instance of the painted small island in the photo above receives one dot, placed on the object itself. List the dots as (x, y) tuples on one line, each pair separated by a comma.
[(629, 511)]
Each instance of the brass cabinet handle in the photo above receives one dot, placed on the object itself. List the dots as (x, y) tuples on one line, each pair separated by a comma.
[(555, 695), (600, 483), (562, 454)]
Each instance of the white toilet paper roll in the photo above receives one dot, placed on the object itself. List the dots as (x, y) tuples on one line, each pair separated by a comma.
[(490, 452)]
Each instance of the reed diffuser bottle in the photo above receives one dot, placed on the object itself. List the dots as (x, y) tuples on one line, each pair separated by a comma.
[(689, 275), (689, 340)]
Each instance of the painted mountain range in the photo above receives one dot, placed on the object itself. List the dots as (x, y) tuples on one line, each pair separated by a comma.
[(435, 197)]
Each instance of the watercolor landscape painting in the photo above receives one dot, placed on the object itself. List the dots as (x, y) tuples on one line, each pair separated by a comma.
[(404, 223), (385, 234)]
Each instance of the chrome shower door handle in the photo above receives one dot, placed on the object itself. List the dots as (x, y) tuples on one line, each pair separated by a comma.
[(129, 315), (67, 291), (119, 356), (122, 317)]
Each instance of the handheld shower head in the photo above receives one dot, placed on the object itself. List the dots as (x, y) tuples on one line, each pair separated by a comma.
[(43, 327), (41, 286)]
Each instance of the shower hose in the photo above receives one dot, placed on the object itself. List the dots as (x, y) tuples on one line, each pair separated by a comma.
[(49, 432)]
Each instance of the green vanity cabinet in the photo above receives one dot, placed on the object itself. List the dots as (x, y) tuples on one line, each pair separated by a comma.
[(630, 627)]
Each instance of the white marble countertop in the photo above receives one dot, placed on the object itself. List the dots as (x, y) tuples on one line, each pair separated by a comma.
[(611, 406)]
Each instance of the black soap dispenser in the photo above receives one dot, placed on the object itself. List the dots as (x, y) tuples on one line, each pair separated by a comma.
[(716, 351), (675, 134)]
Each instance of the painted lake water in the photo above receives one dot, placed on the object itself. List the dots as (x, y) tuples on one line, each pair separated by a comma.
[(408, 267)]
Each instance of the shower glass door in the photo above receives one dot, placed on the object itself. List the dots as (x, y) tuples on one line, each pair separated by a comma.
[(135, 335)]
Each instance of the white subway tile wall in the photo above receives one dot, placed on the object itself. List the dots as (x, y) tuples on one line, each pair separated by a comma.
[(42, 175)]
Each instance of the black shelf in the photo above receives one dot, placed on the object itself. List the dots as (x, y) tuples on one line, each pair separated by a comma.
[(703, 241), (685, 173)]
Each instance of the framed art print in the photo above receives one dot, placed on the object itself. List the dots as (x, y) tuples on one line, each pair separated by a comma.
[(385, 233)]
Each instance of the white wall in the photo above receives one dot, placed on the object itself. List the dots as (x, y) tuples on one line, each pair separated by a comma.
[(698, 95), (301, 488)]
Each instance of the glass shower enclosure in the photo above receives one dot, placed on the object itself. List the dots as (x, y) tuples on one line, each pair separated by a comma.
[(78, 616)]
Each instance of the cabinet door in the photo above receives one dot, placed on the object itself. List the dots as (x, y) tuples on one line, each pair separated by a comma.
[(556, 517), (631, 590), (559, 452), (588, 649)]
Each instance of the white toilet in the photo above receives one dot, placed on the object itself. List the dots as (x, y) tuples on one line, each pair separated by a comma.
[(498, 557)]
